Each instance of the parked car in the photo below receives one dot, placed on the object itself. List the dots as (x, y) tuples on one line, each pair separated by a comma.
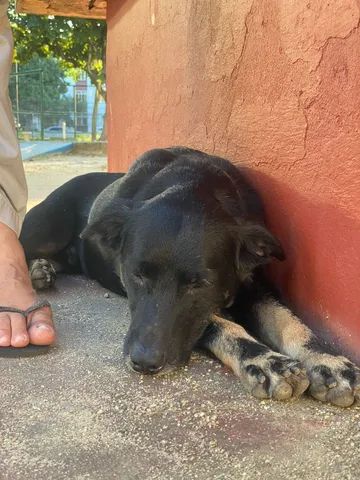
[(56, 131)]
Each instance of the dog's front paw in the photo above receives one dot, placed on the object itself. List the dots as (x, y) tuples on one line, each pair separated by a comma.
[(333, 379), (42, 274), (272, 375)]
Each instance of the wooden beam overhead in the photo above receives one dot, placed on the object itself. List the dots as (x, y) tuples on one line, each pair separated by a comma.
[(65, 8)]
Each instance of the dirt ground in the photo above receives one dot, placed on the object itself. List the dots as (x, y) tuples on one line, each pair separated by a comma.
[(47, 173), (78, 413)]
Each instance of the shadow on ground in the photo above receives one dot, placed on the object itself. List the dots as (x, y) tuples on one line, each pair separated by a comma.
[(79, 413)]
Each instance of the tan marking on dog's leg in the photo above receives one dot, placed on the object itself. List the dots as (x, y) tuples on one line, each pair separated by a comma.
[(224, 348), (265, 373), (281, 329), (333, 378)]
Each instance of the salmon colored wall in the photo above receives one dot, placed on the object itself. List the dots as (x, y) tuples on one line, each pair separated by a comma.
[(274, 84)]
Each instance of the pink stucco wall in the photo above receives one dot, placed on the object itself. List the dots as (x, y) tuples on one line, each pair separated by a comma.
[(274, 84)]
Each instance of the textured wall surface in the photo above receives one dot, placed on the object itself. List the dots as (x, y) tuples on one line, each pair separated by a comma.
[(274, 84)]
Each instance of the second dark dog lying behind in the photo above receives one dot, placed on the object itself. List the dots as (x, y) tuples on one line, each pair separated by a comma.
[(182, 234)]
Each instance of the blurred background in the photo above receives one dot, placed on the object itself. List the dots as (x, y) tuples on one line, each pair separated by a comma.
[(57, 86)]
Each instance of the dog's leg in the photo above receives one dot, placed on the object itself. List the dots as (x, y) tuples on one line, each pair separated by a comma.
[(43, 271), (333, 378), (265, 373), (46, 237)]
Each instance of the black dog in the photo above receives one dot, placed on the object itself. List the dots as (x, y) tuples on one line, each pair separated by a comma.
[(182, 235)]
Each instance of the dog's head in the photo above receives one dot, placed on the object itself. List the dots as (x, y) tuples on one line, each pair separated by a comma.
[(178, 266)]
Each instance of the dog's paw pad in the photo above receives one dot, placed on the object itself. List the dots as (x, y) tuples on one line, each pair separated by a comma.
[(333, 379), (42, 274), (275, 376)]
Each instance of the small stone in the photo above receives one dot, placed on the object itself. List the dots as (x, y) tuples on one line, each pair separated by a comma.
[(107, 295)]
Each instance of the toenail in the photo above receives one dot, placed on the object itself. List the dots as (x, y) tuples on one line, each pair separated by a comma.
[(20, 339), (41, 326)]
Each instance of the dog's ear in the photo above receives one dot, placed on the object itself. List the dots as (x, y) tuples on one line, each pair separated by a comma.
[(256, 246), (259, 242), (107, 231)]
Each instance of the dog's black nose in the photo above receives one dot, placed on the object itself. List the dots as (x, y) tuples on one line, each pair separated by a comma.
[(151, 369), (145, 360)]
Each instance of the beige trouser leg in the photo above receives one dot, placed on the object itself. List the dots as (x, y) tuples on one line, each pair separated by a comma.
[(13, 190)]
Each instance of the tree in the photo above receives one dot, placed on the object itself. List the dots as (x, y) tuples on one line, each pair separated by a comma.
[(30, 96), (77, 44)]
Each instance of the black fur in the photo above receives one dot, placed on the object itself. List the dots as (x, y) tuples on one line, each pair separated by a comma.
[(249, 349), (182, 234)]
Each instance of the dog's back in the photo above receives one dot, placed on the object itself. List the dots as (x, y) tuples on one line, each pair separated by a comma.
[(210, 178)]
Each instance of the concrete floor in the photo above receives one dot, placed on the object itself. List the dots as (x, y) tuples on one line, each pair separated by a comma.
[(46, 174), (78, 413)]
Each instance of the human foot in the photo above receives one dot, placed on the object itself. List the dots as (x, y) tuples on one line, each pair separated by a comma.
[(16, 291)]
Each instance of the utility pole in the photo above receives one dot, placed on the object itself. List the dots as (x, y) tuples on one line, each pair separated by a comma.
[(75, 113), (42, 105), (17, 94)]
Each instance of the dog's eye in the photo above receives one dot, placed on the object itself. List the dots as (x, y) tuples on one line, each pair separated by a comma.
[(139, 278), (196, 283), (193, 281), (145, 272)]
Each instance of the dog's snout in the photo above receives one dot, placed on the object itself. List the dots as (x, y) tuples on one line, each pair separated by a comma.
[(141, 368), (146, 360)]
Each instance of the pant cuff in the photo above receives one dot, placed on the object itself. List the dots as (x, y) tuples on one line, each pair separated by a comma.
[(8, 215)]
